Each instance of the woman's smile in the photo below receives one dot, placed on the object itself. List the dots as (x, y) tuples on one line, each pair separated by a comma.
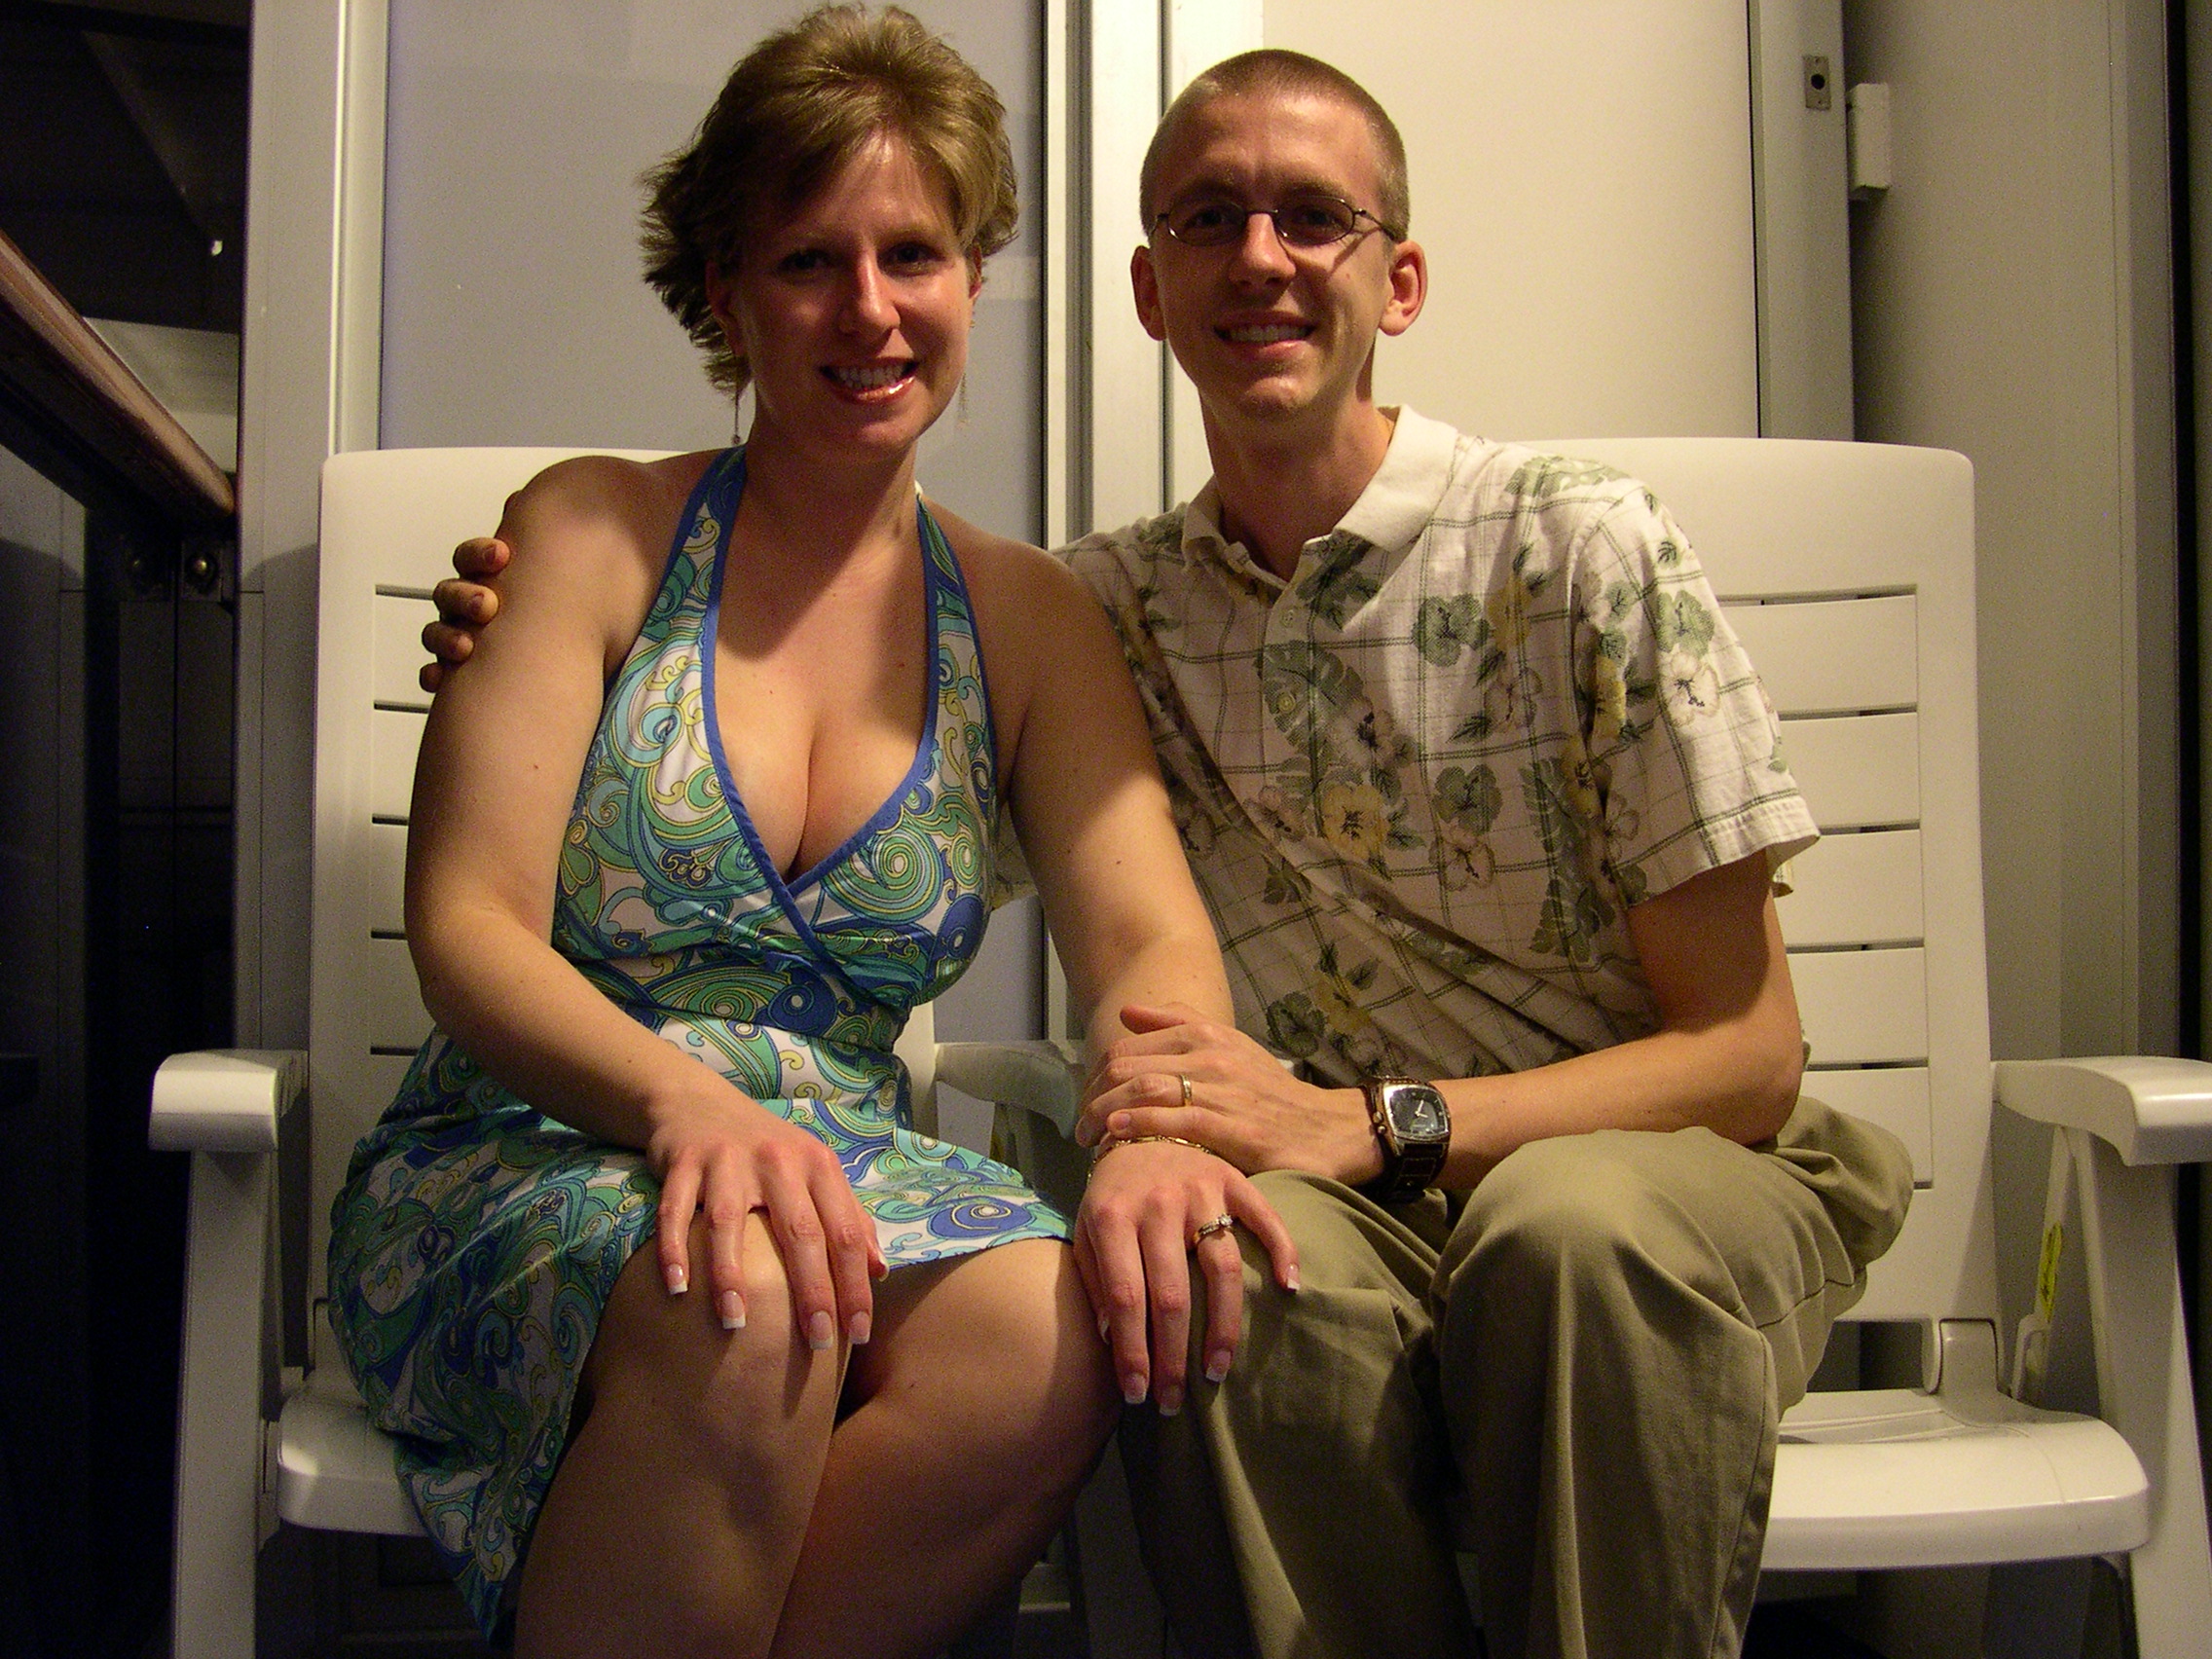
[(872, 383)]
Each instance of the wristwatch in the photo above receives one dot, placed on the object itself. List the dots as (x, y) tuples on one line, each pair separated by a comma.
[(1414, 1128)]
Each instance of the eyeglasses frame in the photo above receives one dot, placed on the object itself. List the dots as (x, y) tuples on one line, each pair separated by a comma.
[(1159, 222)]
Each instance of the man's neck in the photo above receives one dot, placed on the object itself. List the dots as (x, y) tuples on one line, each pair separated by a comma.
[(1280, 489)]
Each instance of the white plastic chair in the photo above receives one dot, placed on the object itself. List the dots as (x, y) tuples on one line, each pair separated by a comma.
[(256, 1443), (1848, 571)]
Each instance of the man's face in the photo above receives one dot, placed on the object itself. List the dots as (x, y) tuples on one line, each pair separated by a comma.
[(1273, 333)]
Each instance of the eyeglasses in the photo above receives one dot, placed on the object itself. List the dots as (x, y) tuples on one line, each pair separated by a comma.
[(1313, 220)]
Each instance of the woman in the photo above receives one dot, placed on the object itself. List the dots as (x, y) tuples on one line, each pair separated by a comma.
[(792, 745)]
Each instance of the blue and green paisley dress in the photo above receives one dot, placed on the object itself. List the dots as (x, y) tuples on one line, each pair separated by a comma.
[(477, 1240)]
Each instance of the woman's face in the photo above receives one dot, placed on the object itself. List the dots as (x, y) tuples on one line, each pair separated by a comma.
[(852, 310)]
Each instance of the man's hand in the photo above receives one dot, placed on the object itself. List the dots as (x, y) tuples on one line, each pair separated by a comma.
[(1135, 1239), (1241, 1102), (465, 606)]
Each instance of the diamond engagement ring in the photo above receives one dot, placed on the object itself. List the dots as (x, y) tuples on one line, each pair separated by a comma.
[(1220, 1223)]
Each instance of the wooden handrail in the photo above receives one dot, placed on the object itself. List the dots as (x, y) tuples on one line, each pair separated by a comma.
[(54, 361)]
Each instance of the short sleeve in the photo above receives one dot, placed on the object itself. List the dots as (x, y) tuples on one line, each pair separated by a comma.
[(1683, 746)]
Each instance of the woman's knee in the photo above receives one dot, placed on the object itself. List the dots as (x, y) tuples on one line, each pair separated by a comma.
[(1051, 1335), (696, 1378), (1004, 1351)]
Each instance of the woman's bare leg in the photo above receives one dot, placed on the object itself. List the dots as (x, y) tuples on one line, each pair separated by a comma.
[(985, 1399), (679, 1510)]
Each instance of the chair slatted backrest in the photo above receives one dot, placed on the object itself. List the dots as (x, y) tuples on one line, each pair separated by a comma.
[(389, 521), (1847, 570)]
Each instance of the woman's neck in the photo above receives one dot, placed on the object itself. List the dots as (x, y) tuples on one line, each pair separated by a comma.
[(828, 506)]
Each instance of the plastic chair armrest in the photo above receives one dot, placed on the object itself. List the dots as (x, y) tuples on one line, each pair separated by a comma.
[(2149, 1108), (1039, 1077), (224, 1099)]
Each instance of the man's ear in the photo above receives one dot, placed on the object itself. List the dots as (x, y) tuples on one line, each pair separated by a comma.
[(1145, 281), (1409, 287)]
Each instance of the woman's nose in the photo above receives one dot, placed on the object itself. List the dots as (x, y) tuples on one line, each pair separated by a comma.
[(868, 298)]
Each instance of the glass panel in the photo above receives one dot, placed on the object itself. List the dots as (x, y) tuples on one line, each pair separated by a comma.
[(514, 308)]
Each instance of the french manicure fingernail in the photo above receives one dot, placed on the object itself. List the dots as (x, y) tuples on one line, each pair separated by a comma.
[(1217, 1367), (821, 1331), (732, 1310), (1102, 1324), (1171, 1401), (1291, 1278), (860, 1328), (679, 1281), (1133, 1390)]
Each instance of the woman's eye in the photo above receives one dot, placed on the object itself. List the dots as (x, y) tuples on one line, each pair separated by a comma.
[(914, 256), (801, 260)]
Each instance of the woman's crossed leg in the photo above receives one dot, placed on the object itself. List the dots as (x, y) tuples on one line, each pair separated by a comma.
[(739, 1493)]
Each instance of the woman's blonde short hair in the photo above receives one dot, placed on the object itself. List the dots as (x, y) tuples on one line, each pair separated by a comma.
[(796, 108)]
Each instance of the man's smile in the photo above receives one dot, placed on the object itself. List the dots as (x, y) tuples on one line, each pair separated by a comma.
[(1265, 333)]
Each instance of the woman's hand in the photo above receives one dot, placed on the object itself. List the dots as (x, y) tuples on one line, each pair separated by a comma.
[(728, 1155), (465, 606), (1135, 1237)]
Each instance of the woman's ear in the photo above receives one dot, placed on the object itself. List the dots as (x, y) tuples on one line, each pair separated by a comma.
[(722, 303)]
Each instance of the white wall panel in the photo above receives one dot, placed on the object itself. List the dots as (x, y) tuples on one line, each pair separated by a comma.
[(1582, 182)]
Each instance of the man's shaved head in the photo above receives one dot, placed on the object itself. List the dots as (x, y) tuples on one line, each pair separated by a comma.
[(1274, 72)]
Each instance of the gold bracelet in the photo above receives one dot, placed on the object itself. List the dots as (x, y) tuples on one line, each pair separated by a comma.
[(1111, 1142)]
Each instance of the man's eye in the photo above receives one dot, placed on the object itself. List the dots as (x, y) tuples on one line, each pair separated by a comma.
[(1315, 221), (1206, 217)]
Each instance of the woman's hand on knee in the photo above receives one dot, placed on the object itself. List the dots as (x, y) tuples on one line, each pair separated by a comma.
[(1152, 1210), (729, 1157)]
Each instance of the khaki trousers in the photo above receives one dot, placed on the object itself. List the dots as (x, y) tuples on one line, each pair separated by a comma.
[(1593, 1350)]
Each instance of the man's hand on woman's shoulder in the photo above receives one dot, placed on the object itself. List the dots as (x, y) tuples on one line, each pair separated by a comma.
[(464, 605)]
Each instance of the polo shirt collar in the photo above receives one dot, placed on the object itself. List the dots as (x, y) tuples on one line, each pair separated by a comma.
[(1408, 487), (1402, 496)]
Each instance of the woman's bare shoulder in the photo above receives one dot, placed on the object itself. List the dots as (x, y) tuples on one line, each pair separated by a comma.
[(580, 503), (591, 537), (1003, 573)]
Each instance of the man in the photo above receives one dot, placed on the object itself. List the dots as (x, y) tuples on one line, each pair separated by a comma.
[(1486, 800)]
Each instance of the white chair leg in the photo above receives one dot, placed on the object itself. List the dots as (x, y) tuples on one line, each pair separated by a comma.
[(2128, 1221), (219, 1422)]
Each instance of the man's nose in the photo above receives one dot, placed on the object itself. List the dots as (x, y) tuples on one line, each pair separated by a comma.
[(1260, 251)]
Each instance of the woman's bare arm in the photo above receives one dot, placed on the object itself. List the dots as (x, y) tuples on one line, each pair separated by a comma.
[(494, 788), (1094, 823)]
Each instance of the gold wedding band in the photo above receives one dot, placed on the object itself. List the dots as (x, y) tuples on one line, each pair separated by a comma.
[(1220, 1223), (1184, 1078)]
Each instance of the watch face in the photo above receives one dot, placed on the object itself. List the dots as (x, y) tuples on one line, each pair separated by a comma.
[(1417, 1111)]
